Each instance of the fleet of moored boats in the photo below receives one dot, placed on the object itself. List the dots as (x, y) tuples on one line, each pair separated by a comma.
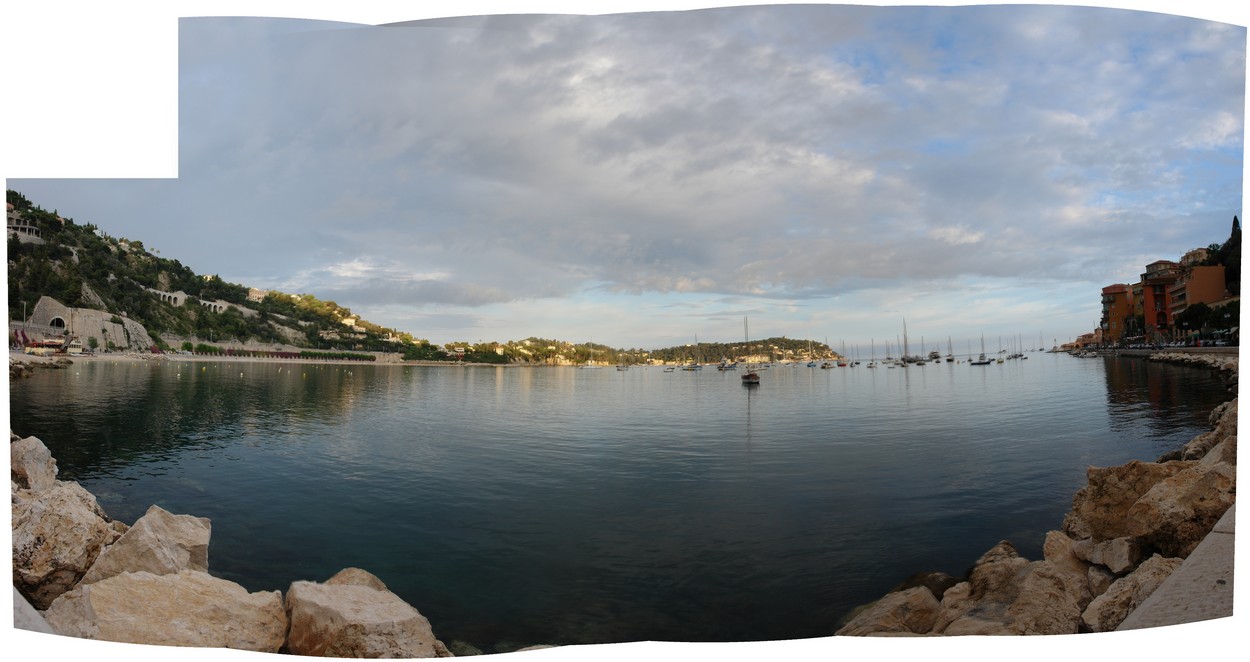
[(750, 374)]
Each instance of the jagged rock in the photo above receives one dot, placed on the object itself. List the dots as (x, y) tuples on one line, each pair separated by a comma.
[(997, 572), (1225, 451), (960, 615), (1007, 594), (1049, 601), (57, 535), (1223, 425), (1098, 509), (1107, 611), (1098, 579), (1178, 512), (160, 543), (979, 606), (1060, 550), (936, 582), (911, 610), (357, 577), (1118, 555), (31, 465), (190, 608), (349, 616)]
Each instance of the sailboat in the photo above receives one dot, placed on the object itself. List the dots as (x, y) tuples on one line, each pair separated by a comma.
[(694, 364), (750, 377), (981, 360), (950, 351)]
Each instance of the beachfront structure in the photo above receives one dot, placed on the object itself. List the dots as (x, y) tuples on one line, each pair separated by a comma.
[(1159, 277), (1197, 284), (1117, 313), (53, 319), (18, 226)]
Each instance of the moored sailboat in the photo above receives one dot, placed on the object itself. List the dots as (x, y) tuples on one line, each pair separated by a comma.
[(750, 377)]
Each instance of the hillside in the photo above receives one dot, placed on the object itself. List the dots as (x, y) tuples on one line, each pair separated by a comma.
[(81, 266)]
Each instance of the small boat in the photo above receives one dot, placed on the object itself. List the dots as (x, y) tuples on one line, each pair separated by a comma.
[(622, 367), (981, 360), (750, 377)]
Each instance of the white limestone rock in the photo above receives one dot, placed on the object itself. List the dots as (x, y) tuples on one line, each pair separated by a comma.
[(160, 543), (31, 465), (350, 616), (1178, 511), (1098, 509), (1008, 595), (189, 608), (1118, 555), (1107, 611), (913, 610), (57, 535)]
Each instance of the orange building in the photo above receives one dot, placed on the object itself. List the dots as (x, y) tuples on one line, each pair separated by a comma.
[(1197, 285), (1159, 277), (1117, 313)]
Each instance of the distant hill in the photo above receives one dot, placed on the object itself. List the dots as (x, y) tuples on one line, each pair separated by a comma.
[(81, 266)]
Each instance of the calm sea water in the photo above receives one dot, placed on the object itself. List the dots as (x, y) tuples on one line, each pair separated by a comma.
[(514, 506)]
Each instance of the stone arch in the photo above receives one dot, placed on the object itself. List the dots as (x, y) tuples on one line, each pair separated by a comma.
[(58, 322)]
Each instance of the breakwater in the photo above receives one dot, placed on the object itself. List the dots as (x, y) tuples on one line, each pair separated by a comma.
[(1129, 529)]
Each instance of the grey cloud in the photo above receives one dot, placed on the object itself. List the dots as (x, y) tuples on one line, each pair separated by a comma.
[(782, 151)]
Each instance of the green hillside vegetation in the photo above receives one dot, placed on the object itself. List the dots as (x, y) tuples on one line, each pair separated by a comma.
[(82, 267)]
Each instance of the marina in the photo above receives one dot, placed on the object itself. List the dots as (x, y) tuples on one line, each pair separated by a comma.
[(608, 505)]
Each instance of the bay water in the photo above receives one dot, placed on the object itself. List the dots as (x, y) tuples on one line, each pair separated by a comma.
[(523, 505)]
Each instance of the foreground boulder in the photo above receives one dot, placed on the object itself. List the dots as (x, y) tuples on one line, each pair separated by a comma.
[(160, 543), (1008, 594), (57, 535), (909, 611), (354, 615), (189, 608), (31, 465), (1107, 611)]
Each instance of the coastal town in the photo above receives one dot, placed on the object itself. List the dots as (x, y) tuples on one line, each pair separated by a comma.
[(1191, 301)]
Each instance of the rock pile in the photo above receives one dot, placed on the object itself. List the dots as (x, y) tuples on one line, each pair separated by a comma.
[(1129, 529), (19, 368), (95, 578)]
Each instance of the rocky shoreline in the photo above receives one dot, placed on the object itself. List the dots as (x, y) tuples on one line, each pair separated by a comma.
[(1130, 527), (80, 573)]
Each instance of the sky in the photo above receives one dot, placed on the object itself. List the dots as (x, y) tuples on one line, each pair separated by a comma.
[(645, 179), (639, 180)]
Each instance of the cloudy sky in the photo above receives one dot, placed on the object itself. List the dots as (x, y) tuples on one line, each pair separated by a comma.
[(641, 179)]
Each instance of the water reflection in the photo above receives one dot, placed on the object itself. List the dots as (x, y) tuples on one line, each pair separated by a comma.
[(97, 416), (578, 506), (1153, 399)]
